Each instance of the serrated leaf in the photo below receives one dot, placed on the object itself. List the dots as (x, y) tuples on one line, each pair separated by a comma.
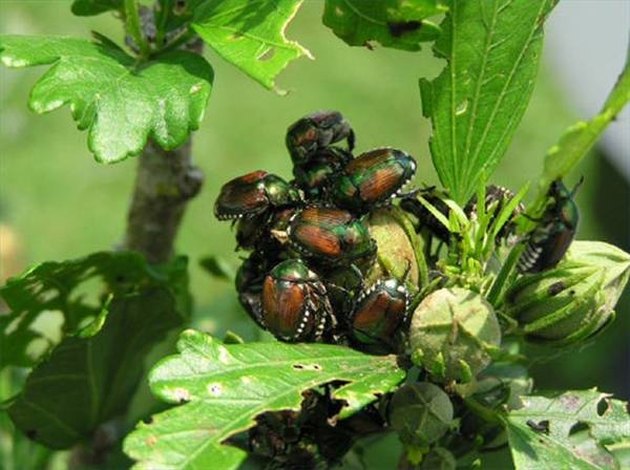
[(492, 48), (397, 24), (94, 7), (70, 289), (122, 103), (568, 431), (250, 34), (224, 387)]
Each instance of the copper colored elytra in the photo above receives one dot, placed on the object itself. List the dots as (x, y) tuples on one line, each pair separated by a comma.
[(378, 309), (324, 241), (287, 300)]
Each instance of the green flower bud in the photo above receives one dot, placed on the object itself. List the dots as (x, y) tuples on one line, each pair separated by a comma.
[(574, 301), (453, 331), (438, 459), (421, 413), (398, 246)]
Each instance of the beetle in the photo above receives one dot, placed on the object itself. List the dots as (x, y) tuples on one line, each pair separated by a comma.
[(317, 131), (546, 245), (295, 304), (424, 217), (316, 176), (497, 197), (253, 194), (372, 178), (330, 235), (379, 313), (249, 282), (265, 232)]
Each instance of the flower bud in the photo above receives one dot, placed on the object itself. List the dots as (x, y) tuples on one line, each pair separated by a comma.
[(398, 246), (453, 332), (421, 413), (438, 459), (574, 301)]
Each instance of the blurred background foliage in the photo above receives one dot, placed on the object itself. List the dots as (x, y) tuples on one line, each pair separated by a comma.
[(57, 203)]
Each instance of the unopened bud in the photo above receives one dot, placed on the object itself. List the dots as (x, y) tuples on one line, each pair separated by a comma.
[(453, 333), (574, 301), (421, 413), (398, 246)]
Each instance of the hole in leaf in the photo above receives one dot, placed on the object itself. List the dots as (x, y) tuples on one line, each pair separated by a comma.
[(268, 54), (148, 420), (316, 367), (12, 326), (181, 395), (88, 292), (37, 347), (540, 426), (578, 427), (49, 324), (85, 322), (46, 295), (603, 406), (556, 288)]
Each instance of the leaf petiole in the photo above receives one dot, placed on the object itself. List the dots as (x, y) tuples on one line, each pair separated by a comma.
[(134, 28)]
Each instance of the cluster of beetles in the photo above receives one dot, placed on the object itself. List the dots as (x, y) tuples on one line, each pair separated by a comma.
[(310, 245)]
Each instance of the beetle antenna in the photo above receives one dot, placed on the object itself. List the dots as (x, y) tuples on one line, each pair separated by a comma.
[(577, 186)]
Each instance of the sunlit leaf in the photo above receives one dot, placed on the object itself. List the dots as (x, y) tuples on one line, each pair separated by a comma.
[(224, 387), (567, 431), (492, 48), (250, 34), (122, 103)]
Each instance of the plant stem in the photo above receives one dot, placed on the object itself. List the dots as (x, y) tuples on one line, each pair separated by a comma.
[(165, 181), (134, 28)]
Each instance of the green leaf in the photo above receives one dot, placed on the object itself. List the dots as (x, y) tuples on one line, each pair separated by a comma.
[(94, 7), (569, 430), (67, 296), (250, 34), (91, 374), (122, 103), (580, 137), (492, 48), (87, 381), (391, 23), (224, 387)]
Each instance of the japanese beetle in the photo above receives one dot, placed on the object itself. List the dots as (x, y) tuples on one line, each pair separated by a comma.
[(295, 306), (379, 313), (548, 242), (497, 197), (371, 178), (424, 217), (265, 231), (316, 176), (249, 283), (315, 132), (253, 194), (330, 235)]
